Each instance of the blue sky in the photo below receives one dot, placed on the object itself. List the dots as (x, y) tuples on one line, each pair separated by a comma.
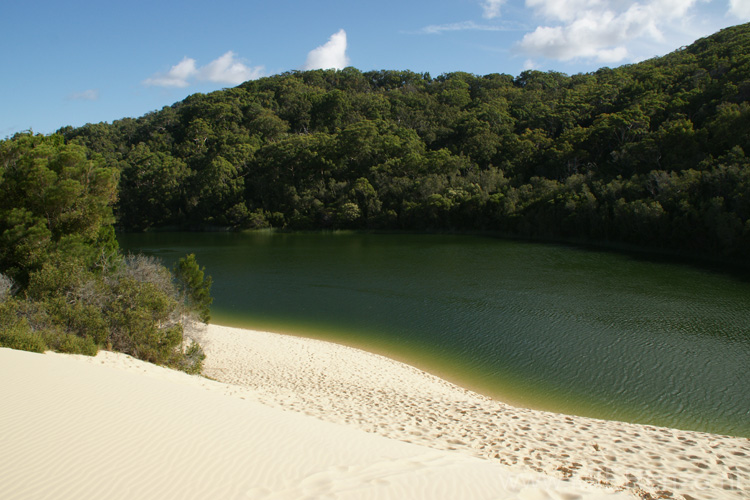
[(75, 62)]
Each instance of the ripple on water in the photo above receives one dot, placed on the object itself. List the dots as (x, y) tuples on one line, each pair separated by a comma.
[(550, 326)]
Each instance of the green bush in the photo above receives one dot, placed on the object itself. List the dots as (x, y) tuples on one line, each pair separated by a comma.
[(20, 336), (195, 286), (143, 321), (15, 331), (192, 359), (82, 320), (70, 344)]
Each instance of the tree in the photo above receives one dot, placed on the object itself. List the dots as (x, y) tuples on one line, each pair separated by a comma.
[(152, 189), (63, 283), (54, 196), (194, 286), (299, 147)]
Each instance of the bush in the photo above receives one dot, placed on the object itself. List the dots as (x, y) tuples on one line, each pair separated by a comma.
[(143, 321), (20, 336), (59, 252), (70, 344), (147, 269), (192, 359), (28, 326), (195, 286), (15, 331)]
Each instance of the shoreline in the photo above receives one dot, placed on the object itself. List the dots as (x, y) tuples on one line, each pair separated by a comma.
[(427, 364), (445, 368), (111, 426), (368, 391), (280, 416)]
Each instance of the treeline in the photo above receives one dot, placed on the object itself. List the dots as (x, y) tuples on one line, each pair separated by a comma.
[(652, 154), (64, 284)]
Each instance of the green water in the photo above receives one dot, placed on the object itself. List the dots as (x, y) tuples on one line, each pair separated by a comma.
[(544, 326)]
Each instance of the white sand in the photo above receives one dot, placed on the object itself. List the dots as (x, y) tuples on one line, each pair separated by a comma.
[(366, 391), (115, 427)]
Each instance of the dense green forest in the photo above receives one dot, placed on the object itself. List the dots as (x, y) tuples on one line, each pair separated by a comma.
[(651, 154)]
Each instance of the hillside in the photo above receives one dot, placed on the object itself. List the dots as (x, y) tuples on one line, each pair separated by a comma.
[(651, 154)]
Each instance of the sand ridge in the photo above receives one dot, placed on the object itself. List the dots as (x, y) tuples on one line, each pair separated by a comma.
[(347, 386), (74, 427)]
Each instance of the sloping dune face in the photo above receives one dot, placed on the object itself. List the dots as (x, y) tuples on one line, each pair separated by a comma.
[(379, 395), (115, 427)]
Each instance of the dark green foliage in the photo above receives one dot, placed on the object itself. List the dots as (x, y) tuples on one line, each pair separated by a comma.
[(70, 344), (142, 321), (651, 154), (22, 338), (63, 283), (54, 197), (194, 286), (15, 332)]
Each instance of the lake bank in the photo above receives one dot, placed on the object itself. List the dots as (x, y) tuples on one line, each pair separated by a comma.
[(369, 392), (542, 326), (76, 427), (147, 431)]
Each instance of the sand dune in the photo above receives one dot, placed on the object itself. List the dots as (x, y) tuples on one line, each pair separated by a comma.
[(114, 427), (347, 386), (295, 418)]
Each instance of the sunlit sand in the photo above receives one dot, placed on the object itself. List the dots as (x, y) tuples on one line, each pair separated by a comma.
[(291, 418)]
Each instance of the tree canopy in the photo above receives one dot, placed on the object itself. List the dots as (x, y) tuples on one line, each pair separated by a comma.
[(64, 284), (651, 154)]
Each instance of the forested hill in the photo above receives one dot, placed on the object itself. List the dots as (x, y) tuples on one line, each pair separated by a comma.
[(651, 154)]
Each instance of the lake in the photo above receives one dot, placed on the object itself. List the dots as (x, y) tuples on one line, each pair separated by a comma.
[(544, 326)]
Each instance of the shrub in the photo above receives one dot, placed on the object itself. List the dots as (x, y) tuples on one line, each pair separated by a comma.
[(59, 252), (192, 359), (70, 344), (23, 339), (195, 286), (147, 269), (15, 332), (143, 321)]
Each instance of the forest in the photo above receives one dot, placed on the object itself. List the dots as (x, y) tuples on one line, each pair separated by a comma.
[(649, 155), (646, 155)]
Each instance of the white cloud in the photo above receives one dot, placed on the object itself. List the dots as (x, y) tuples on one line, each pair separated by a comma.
[(177, 76), (612, 55), (492, 8), (563, 10), (86, 95), (225, 69), (601, 30), (330, 55), (740, 9)]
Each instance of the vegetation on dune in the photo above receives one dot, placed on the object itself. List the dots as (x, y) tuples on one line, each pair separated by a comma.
[(64, 284)]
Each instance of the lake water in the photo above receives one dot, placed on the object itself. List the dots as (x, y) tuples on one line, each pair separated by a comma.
[(544, 326)]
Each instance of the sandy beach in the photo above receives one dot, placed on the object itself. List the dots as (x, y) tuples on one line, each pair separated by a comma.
[(283, 417)]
